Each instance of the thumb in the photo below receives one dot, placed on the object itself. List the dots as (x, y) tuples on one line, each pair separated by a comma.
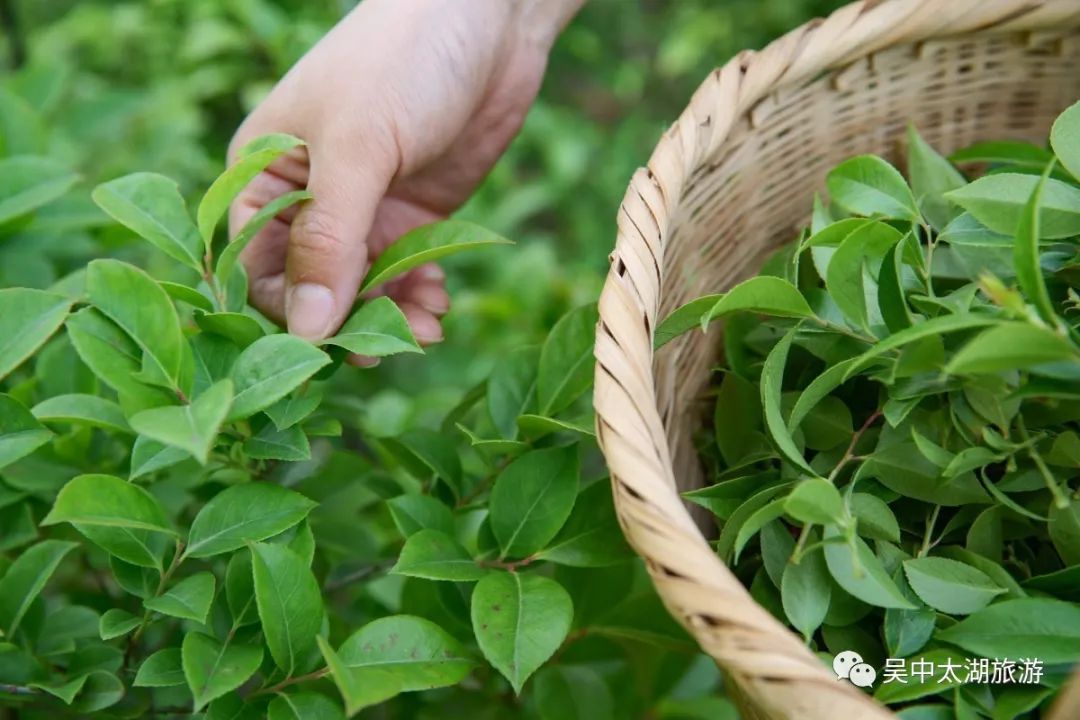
[(328, 251)]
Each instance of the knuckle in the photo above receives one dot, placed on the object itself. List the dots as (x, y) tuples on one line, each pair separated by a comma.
[(317, 235)]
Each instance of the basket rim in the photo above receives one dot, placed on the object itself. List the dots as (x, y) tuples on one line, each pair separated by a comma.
[(692, 581)]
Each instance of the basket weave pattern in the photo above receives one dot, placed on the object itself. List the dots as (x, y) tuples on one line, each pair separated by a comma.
[(729, 182)]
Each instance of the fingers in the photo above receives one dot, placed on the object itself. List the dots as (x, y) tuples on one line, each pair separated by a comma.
[(327, 250)]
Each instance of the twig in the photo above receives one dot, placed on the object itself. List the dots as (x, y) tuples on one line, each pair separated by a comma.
[(323, 672), (848, 456)]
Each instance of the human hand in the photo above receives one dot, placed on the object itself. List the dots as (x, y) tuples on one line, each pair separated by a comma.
[(404, 107)]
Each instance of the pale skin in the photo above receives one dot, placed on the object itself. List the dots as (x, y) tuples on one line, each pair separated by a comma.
[(404, 107)]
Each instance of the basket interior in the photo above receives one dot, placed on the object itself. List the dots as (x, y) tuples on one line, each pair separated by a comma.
[(756, 192)]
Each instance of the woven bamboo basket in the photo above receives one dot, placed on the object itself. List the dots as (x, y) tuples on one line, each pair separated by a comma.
[(730, 181)]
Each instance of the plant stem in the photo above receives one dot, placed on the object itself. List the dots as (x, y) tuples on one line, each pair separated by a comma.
[(926, 544), (322, 672), (849, 455), (1061, 500), (177, 558)]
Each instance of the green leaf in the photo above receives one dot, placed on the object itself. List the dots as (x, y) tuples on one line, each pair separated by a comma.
[(377, 329), (82, 410), (815, 500), (931, 177), (240, 589), (1026, 254), (944, 325), (511, 388), (772, 380), (270, 443), (149, 456), (591, 536), (162, 669), (227, 260), (28, 183), (26, 578), (102, 690), (566, 360), (532, 499), (998, 202), (949, 585), (683, 318), (574, 692), (117, 622), (425, 453), (213, 669), (1042, 628), (805, 590), (434, 555), (425, 244), (857, 570), (271, 368), (27, 319), (1065, 139), (737, 399), (107, 501), (1004, 152), (65, 691), (873, 518), (766, 295), (867, 185), (754, 523), (131, 299), (295, 408), (890, 298), (20, 432), (241, 329), (115, 358), (185, 294), (188, 599), (419, 653), (244, 513), (818, 389), (151, 206), (519, 622), (903, 469), (1064, 529), (303, 706), (289, 601), (413, 513), (1012, 346), (853, 268), (193, 427), (534, 427), (359, 688), (251, 160)]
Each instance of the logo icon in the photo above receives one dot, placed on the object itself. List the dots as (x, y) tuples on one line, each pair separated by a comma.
[(849, 666)]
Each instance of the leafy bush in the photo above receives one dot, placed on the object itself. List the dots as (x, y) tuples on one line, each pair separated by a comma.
[(200, 500), (902, 477)]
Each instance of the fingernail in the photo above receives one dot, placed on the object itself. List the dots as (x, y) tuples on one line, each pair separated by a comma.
[(363, 361), (428, 338), (309, 309)]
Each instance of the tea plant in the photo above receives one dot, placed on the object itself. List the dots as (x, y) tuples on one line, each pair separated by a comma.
[(902, 477), (191, 523)]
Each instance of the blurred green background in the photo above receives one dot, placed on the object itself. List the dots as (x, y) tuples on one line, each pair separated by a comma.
[(113, 87)]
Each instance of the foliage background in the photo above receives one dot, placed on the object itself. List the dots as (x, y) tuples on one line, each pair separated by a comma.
[(160, 85)]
